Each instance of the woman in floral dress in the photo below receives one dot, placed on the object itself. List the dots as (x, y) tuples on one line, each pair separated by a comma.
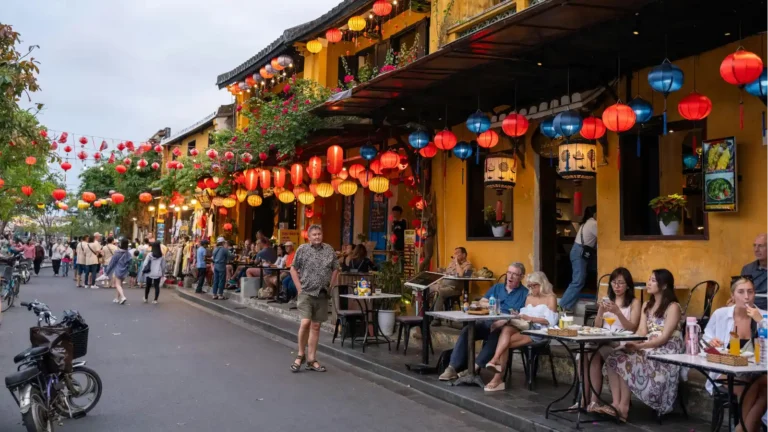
[(630, 369)]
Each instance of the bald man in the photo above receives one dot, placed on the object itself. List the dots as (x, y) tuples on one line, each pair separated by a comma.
[(757, 269)]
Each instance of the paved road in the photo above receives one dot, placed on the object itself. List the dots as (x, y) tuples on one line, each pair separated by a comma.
[(172, 367)]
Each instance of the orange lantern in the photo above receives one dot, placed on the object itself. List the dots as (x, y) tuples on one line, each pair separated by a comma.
[(89, 197), (276, 65), (251, 180), (97, 204), (343, 174), (264, 73), (389, 159), (312, 189), (445, 140), (59, 194), (227, 226), (117, 198), (223, 211), (297, 174), (382, 7), (335, 183), (121, 169), (488, 139), (265, 176), (27, 190), (364, 178), (278, 174), (355, 170), (31, 160), (376, 166), (333, 35), (315, 168), (619, 117), (145, 197), (299, 189), (334, 159), (428, 152)]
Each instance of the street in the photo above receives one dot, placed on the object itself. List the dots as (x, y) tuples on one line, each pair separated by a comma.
[(172, 366)]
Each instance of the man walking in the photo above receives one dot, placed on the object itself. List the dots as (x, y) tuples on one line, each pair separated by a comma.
[(200, 265), (314, 270)]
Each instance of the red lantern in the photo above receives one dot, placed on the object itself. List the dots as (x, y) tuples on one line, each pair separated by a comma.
[(121, 169), (335, 183), (67, 149), (121, 147), (142, 163), (170, 165), (297, 174), (229, 155), (83, 140), (265, 176), (376, 167), (445, 140), (179, 166), (251, 180), (129, 145), (344, 174), (695, 106), (389, 159), (278, 175), (488, 139), (97, 156), (117, 198), (59, 194), (298, 189), (741, 67), (97, 204), (27, 190), (82, 155), (382, 7), (333, 35), (111, 159), (155, 166), (145, 197), (364, 178), (223, 211), (227, 226), (334, 159), (619, 117), (31, 160), (63, 138), (212, 154), (193, 152), (89, 197), (355, 170), (592, 128), (146, 146), (246, 157), (66, 166), (515, 125), (315, 167), (176, 151), (54, 146), (428, 152), (127, 161)]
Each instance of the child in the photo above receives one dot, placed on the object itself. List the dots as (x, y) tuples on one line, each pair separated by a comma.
[(66, 261), (133, 270)]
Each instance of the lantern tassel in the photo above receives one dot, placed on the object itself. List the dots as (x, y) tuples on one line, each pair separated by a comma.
[(462, 175), (477, 154), (638, 145), (618, 159), (741, 114), (664, 115)]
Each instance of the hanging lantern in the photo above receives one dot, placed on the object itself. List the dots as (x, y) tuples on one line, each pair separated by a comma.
[(145, 197), (223, 211), (314, 46), (333, 35), (382, 7), (212, 154), (741, 67), (254, 200), (30, 160), (227, 226), (577, 160), (66, 166), (356, 23), (379, 184), (334, 159), (63, 138), (515, 125), (376, 167), (241, 194), (592, 128), (59, 194), (158, 149), (127, 161), (67, 149), (324, 190), (251, 179), (335, 184), (82, 155), (478, 123), (547, 128), (97, 156), (89, 197), (250, 81), (567, 123), (427, 152), (278, 175), (619, 117), (286, 197), (229, 202), (313, 189), (500, 171), (759, 87), (155, 166), (364, 178), (343, 174), (306, 198), (488, 139), (665, 79), (298, 189), (355, 170), (246, 157), (418, 139), (463, 150), (117, 198), (264, 73), (368, 152), (275, 65), (695, 106), (63, 206), (445, 140), (389, 160), (54, 146), (642, 108), (297, 174), (82, 205), (265, 177), (285, 61), (103, 201), (229, 155), (121, 169), (142, 163), (315, 167), (347, 188)]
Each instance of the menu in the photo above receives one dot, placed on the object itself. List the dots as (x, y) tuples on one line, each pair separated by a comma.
[(409, 258), (720, 179), (378, 214)]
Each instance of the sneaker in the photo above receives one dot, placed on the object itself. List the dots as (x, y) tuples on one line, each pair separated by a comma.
[(122, 302), (145, 300), (114, 300), (154, 301), (449, 374), (94, 287)]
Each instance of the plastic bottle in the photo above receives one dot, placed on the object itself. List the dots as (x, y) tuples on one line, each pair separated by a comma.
[(762, 336), (492, 305)]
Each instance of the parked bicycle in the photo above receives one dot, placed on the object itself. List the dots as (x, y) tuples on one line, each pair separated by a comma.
[(10, 281), (49, 385)]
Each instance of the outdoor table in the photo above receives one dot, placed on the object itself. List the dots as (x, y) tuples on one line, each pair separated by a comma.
[(466, 280), (469, 320), (704, 366), (642, 287), (375, 320), (586, 384), (761, 295)]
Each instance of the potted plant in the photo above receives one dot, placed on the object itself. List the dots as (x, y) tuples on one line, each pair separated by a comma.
[(498, 225), (389, 279), (669, 209)]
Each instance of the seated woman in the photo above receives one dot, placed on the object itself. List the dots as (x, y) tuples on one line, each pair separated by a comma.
[(742, 318), (540, 311), (358, 262), (624, 310), (630, 369), (281, 256)]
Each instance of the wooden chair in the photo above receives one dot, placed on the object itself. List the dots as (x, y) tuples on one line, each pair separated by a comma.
[(410, 321), (344, 317)]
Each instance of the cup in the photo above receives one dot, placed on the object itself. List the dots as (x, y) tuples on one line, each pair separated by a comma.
[(378, 291), (567, 321)]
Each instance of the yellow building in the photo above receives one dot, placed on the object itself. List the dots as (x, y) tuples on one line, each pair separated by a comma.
[(198, 135)]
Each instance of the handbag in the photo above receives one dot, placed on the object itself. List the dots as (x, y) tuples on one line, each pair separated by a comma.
[(147, 267), (588, 252), (520, 324)]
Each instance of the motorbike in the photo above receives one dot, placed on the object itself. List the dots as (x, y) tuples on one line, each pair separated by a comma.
[(49, 385)]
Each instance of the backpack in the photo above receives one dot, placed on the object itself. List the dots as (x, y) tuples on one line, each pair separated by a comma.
[(39, 252)]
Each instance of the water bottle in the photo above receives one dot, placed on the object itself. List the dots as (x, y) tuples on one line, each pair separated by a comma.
[(692, 331), (762, 335), (492, 305)]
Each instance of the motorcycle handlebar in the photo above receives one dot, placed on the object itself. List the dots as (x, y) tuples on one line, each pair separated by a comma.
[(24, 304)]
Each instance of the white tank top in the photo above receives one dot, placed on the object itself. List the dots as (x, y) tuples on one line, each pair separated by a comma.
[(626, 311)]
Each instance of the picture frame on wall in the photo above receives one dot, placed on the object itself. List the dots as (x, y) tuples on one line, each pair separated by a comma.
[(720, 181)]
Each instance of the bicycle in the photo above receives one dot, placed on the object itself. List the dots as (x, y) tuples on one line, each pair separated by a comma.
[(9, 287)]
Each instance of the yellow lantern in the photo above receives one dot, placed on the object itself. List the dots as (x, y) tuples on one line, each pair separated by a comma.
[(82, 205), (254, 200), (286, 197), (378, 184), (324, 190), (348, 188), (104, 201), (356, 23), (40, 206), (306, 198), (314, 46), (151, 208), (500, 171), (229, 202), (217, 201), (241, 194)]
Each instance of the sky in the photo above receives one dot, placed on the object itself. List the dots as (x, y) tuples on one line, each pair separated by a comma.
[(124, 69)]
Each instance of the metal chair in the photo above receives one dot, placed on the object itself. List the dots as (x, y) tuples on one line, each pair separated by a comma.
[(712, 287), (590, 311), (344, 317), (530, 354), (410, 321)]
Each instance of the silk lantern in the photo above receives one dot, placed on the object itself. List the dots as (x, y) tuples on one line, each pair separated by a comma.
[(97, 204), (462, 150), (577, 160), (285, 61), (389, 159), (356, 23), (364, 178), (229, 202), (227, 226), (314, 46), (500, 172), (376, 167), (298, 189), (251, 180), (276, 65), (265, 177), (642, 108), (315, 167), (30, 160), (241, 194), (418, 139), (665, 79), (145, 197), (694, 107), (297, 174), (740, 69), (379, 184), (488, 139), (333, 35), (334, 159), (592, 128), (515, 125), (306, 198), (347, 188), (254, 200), (121, 169), (619, 117), (428, 152), (278, 175), (478, 123), (264, 72), (59, 194), (445, 140), (286, 197), (223, 211), (759, 87), (547, 128), (382, 7), (89, 197), (567, 123), (118, 198), (324, 190), (355, 170), (368, 152)]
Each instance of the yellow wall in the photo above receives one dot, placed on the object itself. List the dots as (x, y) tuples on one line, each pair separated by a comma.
[(464, 14), (201, 144)]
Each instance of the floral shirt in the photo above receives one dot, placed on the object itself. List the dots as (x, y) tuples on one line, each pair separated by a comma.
[(315, 265)]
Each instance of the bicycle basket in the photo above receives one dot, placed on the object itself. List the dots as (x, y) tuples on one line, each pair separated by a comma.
[(59, 339), (80, 342), (6, 272)]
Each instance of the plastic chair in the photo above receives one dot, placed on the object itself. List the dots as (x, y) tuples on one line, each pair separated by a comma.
[(343, 317), (530, 354), (712, 287), (410, 321)]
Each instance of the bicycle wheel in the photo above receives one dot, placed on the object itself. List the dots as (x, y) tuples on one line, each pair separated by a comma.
[(17, 284), (38, 418), (7, 296), (87, 385)]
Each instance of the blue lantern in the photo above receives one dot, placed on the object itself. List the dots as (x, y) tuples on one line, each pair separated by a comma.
[(567, 123), (368, 152), (665, 79), (478, 123), (690, 161), (418, 139), (548, 129), (759, 87), (463, 150), (642, 108)]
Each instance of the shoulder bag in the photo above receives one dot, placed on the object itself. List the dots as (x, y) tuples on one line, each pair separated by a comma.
[(588, 252)]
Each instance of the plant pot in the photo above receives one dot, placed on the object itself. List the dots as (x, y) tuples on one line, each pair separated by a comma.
[(670, 229), (387, 322), (499, 231)]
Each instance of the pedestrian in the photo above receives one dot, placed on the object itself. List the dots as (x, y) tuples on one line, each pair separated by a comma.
[(80, 259), (135, 265), (200, 265), (220, 259), (118, 268), (66, 260), (39, 257), (583, 258), (92, 257), (314, 270), (154, 267), (56, 255), (29, 252), (106, 255)]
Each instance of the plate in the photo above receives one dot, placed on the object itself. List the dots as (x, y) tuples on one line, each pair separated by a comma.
[(594, 331)]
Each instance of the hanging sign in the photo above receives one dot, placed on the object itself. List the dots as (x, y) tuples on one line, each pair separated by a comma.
[(409, 254), (720, 179)]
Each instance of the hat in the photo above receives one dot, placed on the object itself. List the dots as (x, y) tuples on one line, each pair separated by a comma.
[(220, 240), (288, 243)]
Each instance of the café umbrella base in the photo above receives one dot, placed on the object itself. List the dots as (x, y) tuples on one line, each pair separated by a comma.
[(670, 229)]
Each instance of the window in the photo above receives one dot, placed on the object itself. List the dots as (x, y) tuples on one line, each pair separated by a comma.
[(659, 169), (190, 146), (407, 38), (481, 198)]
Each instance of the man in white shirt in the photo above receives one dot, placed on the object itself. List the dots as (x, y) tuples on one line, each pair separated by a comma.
[(92, 261), (583, 254)]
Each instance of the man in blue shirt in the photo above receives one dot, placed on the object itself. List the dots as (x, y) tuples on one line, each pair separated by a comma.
[(508, 296), (756, 270), (200, 265)]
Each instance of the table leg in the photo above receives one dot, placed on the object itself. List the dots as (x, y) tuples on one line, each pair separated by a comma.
[(573, 386), (589, 389), (365, 321), (377, 329), (470, 378), (424, 367), (732, 414)]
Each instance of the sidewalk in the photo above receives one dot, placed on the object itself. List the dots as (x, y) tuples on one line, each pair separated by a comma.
[(516, 407)]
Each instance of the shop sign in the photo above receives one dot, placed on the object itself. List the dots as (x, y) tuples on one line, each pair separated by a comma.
[(409, 258), (292, 235), (720, 179)]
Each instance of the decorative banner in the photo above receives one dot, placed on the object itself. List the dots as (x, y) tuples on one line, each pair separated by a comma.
[(409, 258), (719, 168)]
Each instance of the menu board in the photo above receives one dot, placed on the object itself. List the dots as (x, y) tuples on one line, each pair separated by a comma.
[(720, 179), (160, 232), (289, 235), (409, 258), (378, 214)]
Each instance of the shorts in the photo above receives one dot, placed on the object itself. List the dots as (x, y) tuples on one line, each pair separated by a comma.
[(80, 268), (132, 274), (313, 308)]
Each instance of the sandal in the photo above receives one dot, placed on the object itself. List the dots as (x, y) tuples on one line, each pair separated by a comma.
[(610, 411), (311, 366), (295, 367), (493, 367), (215, 297)]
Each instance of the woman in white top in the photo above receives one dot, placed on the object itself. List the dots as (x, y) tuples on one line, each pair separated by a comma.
[(540, 311), (624, 309), (56, 254), (742, 318), (585, 243)]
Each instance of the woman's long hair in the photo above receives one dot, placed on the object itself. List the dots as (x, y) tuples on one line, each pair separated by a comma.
[(124, 244), (156, 251), (629, 293), (666, 283), (359, 253), (545, 286), (589, 213)]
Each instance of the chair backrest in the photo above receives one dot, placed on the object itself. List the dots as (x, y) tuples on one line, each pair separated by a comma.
[(712, 287), (599, 281), (335, 298), (502, 279)]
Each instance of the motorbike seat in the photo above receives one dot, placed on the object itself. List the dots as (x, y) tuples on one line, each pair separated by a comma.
[(21, 377), (30, 352)]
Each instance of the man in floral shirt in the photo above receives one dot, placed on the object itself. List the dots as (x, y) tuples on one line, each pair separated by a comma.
[(314, 270)]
